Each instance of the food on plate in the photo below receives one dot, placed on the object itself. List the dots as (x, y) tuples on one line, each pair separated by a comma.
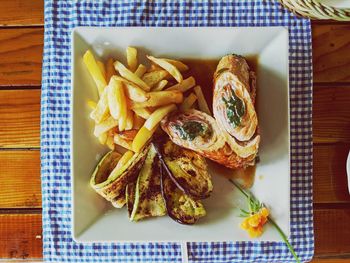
[(187, 169), (95, 72), (131, 57), (233, 105), (140, 106), (110, 181), (199, 132), (181, 207), (145, 197)]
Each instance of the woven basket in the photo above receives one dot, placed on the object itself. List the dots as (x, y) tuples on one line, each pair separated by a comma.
[(316, 10)]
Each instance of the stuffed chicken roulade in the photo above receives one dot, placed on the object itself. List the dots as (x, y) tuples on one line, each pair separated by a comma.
[(199, 131), (233, 106)]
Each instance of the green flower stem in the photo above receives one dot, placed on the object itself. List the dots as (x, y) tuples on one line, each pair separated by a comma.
[(279, 230)]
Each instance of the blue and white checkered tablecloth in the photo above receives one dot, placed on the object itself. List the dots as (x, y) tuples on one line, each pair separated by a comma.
[(60, 18)]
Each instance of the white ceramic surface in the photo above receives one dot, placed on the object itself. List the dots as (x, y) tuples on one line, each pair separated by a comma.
[(96, 220)]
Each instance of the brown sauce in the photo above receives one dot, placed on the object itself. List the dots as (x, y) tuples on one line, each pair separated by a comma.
[(203, 71)]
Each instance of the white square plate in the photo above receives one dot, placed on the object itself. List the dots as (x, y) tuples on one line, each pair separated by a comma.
[(94, 219)]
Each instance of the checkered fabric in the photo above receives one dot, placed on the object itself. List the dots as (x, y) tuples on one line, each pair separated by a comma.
[(60, 18)]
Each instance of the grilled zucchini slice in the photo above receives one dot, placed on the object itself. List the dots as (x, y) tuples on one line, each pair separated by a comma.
[(148, 200), (189, 170), (110, 182), (180, 206)]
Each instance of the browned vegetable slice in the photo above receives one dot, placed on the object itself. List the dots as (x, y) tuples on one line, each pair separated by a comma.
[(110, 181), (148, 200), (189, 170), (181, 207)]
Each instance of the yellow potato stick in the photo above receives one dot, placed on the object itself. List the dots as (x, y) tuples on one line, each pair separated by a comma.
[(135, 93), (178, 64), (94, 71), (152, 78), (202, 103), (188, 102), (127, 74), (138, 122), (124, 159), (92, 105), (110, 142), (185, 85), (122, 142), (160, 85), (141, 138), (158, 115), (116, 98), (141, 69), (105, 125), (131, 57), (103, 138), (173, 71), (102, 68), (101, 111), (142, 112), (110, 71), (159, 98), (129, 120), (153, 67)]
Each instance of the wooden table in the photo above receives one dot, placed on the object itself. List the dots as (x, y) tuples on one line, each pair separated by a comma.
[(21, 47)]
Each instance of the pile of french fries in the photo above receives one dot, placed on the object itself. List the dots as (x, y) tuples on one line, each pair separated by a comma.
[(134, 99)]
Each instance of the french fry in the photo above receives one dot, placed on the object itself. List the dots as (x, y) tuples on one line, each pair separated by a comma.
[(110, 71), (103, 138), (127, 74), (129, 120), (158, 115), (153, 67), (142, 112), (92, 105), (116, 98), (159, 98), (102, 68), (173, 71), (110, 142), (141, 138), (94, 71), (122, 123), (185, 85), (128, 135), (138, 122), (141, 69), (202, 103), (152, 78), (160, 85), (122, 142), (124, 159), (178, 64), (188, 102), (134, 93), (101, 111), (105, 125), (131, 57)]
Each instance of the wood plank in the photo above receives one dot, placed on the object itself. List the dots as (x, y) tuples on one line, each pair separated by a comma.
[(21, 56), (20, 118), (21, 12), (20, 236), (331, 56), (331, 114), (329, 177), (20, 186), (332, 231)]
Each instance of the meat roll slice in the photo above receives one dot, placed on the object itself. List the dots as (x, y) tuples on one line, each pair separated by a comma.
[(199, 132), (233, 105)]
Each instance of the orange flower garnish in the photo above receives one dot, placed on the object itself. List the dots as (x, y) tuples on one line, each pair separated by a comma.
[(254, 223)]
